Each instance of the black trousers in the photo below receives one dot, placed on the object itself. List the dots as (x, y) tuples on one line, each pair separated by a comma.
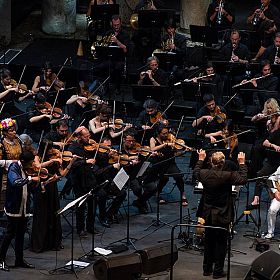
[(215, 249), (15, 229), (143, 192)]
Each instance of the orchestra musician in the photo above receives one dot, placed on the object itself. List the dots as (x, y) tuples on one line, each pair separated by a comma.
[(43, 82), (142, 190), (83, 180), (217, 207), (145, 5), (234, 51), (162, 142), (107, 171), (265, 11), (154, 75), (17, 208), (210, 117), (220, 15), (46, 227), (93, 24), (272, 52)]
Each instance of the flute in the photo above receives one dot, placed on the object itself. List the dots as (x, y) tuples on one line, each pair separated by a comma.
[(249, 81)]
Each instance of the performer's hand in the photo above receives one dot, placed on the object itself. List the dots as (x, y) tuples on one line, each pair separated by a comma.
[(145, 127), (201, 154), (35, 179), (212, 139), (256, 200), (241, 158), (254, 82), (208, 118), (117, 166), (277, 195), (90, 161)]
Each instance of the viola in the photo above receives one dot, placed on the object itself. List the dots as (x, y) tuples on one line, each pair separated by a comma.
[(158, 117), (119, 158), (218, 115), (43, 173), (179, 144)]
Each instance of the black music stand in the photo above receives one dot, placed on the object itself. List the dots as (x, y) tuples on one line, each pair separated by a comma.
[(168, 60), (143, 92), (102, 14), (111, 52)]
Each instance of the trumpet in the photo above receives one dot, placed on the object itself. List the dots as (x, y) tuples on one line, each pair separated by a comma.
[(257, 15), (276, 58), (220, 12)]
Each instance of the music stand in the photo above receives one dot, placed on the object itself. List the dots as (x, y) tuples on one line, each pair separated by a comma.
[(143, 92), (102, 14), (168, 60), (110, 52)]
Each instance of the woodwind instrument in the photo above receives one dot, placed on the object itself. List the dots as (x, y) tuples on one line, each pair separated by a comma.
[(276, 57), (249, 81), (257, 15), (220, 12)]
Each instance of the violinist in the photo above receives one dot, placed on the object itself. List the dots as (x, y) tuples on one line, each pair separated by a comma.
[(46, 227), (162, 143), (10, 150), (210, 117), (83, 180), (142, 190), (103, 121), (43, 82), (17, 208), (39, 118), (154, 76), (230, 139), (106, 171)]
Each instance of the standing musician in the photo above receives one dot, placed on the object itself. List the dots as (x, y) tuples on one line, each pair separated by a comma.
[(264, 81), (83, 179), (164, 143), (265, 11), (217, 207), (17, 208), (210, 117), (154, 75), (220, 15), (230, 139), (107, 171), (46, 227), (103, 121), (10, 150), (272, 53), (43, 82), (145, 190), (235, 51)]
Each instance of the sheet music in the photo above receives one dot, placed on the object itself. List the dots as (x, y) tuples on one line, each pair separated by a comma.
[(121, 178), (143, 168), (102, 251)]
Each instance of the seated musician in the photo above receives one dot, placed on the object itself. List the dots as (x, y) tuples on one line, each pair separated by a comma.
[(234, 51), (60, 134), (220, 15), (143, 190), (93, 23), (230, 140), (268, 30), (43, 82), (154, 75), (264, 11), (83, 180), (173, 41), (272, 53), (270, 163), (107, 171), (162, 142), (264, 81), (211, 117), (39, 118), (104, 122)]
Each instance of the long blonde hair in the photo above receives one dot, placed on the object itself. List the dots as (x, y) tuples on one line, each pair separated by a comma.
[(273, 104)]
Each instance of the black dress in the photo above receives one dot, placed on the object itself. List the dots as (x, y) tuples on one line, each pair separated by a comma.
[(46, 229)]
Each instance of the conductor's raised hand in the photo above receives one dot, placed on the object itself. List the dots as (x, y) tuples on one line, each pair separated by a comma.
[(201, 154), (241, 158)]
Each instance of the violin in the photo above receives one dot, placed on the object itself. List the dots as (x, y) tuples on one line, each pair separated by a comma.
[(230, 142), (179, 144), (158, 117), (140, 150), (43, 173), (118, 123), (119, 158), (22, 88), (53, 80), (218, 115)]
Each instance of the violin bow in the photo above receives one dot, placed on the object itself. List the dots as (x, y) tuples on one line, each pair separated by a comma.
[(101, 85), (120, 148), (237, 134), (163, 113), (98, 145), (180, 124), (71, 135), (23, 70), (40, 140), (2, 107), (114, 112), (58, 73), (43, 157)]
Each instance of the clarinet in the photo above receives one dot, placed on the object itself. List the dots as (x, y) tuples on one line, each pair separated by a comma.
[(220, 14), (257, 16), (276, 56)]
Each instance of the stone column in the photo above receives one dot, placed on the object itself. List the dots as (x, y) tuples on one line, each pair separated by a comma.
[(59, 17), (193, 12)]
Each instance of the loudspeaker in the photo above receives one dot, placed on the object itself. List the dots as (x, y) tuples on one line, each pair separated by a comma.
[(157, 259), (266, 266), (127, 267)]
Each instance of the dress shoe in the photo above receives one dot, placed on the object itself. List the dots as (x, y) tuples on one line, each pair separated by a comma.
[(82, 234), (141, 207), (105, 223), (3, 266), (24, 264), (219, 275), (113, 219), (207, 273)]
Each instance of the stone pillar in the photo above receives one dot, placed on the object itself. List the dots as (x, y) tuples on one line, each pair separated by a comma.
[(193, 12), (5, 23), (59, 17)]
